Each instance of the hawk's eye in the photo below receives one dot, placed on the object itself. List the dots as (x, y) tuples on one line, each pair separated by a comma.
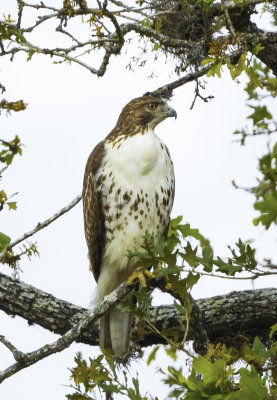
[(151, 106)]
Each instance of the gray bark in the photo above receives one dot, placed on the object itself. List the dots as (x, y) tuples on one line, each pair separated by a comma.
[(226, 319), (24, 360), (253, 36), (268, 40)]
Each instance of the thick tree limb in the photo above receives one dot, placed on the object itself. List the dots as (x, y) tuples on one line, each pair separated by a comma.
[(254, 36), (226, 318), (268, 41)]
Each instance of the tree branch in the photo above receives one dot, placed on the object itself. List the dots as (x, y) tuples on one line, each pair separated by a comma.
[(254, 36), (180, 43), (165, 91), (268, 41), (18, 355), (89, 316), (226, 319), (42, 225)]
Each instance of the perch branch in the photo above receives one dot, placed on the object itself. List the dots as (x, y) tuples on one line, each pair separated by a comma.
[(225, 318)]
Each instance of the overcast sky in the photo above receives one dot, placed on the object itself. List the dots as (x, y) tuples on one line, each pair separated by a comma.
[(69, 112)]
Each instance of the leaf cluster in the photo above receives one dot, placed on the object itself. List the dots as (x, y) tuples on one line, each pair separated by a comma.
[(227, 374), (8, 150), (266, 191), (186, 250), (12, 105), (9, 31), (9, 257), (262, 84), (224, 373), (177, 263), (100, 373)]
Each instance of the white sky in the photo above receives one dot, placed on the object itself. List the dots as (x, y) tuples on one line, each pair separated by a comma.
[(69, 112)]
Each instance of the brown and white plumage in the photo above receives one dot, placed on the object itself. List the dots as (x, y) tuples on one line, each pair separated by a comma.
[(128, 190)]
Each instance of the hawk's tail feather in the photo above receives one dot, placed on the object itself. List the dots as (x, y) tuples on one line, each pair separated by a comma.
[(120, 329), (104, 332), (114, 334)]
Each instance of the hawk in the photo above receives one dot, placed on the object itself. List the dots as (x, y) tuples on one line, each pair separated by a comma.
[(128, 189)]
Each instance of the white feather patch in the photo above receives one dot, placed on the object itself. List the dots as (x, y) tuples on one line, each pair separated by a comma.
[(137, 194)]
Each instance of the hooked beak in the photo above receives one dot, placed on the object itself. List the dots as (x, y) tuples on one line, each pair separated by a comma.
[(171, 112)]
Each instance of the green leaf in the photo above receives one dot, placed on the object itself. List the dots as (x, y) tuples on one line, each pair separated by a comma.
[(152, 355), (168, 271), (213, 373), (208, 60), (156, 47), (77, 396), (109, 388), (257, 49), (194, 396), (215, 70), (255, 355), (236, 70), (252, 387), (259, 348), (186, 231), (146, 23), (179, 286), (4, 241), (12, 205), (273, 329), (268, 210), (3, 196), (30, 54), (136, 385), (158, 24), (244, 257), (8, 158), (171, 352), (190, 255), (174, 222), (192, 279), (176, 376), (259, 114)]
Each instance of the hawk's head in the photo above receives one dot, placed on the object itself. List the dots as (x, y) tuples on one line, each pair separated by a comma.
[(144, 113)]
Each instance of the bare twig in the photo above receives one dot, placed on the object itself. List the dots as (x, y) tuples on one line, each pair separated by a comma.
[(228, 21), (166, 90), (64, 341), (18, 355), (112, 37), (197, 94), (254, 276), (269, 264), (42, 225)]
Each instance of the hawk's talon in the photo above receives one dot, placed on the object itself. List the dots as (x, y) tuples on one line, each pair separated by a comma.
[(140, 273)]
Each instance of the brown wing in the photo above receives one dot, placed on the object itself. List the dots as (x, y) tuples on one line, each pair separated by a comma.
[(170, 192), (93, 212)]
